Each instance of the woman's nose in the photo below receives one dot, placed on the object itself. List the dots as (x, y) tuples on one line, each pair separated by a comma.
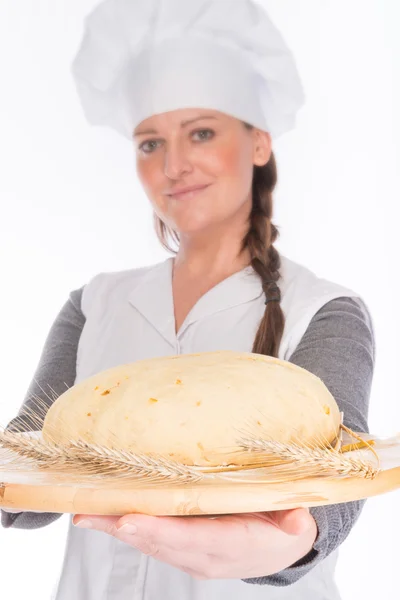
[(176, 162)]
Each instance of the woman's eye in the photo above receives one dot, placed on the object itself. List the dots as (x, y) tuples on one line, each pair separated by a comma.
[(142, 146), (149, 150), (204, 131)]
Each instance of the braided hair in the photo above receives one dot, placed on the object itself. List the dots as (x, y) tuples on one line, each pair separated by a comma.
[(265, 259)]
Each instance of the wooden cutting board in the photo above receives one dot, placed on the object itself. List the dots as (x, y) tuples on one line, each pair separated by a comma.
[(63, 493)]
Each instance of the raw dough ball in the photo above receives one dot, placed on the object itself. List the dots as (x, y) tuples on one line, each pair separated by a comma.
[(192, 407)]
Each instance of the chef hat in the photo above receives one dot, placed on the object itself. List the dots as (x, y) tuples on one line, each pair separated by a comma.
[(139, 58)]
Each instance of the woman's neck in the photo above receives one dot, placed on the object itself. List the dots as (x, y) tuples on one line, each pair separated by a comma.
[(212, 254), (197, 270), (210, 261)]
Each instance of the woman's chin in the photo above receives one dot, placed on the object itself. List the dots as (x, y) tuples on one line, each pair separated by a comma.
[(192, 227)]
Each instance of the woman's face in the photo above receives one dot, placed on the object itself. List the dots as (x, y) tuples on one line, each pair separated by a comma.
[(198, 147)]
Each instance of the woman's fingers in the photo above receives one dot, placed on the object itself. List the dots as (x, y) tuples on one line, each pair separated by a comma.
[(296, 521), (292, 522), (225, 536), (182, 534)]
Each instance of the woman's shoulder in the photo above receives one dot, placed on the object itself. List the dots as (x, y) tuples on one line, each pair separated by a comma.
[(110, 284), (300, 280), (131, 274)]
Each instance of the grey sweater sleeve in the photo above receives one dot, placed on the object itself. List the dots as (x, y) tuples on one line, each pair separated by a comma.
[(55, 373), (338, 347)]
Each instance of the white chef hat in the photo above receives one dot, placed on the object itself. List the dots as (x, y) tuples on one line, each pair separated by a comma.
[(139, 58)]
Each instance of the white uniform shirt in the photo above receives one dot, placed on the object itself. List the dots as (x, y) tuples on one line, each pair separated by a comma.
[(129, 316)]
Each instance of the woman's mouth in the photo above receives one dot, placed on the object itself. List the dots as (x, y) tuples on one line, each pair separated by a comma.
[(188, 195)]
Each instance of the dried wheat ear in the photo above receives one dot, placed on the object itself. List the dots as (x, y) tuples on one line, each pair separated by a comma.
[(271, 461)]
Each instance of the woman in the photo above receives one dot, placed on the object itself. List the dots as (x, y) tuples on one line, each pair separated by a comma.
[(208, 109)]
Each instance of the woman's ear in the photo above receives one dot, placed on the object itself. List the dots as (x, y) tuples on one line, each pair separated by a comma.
[(262, 147)]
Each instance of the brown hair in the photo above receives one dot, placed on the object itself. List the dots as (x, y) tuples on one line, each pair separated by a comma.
[(265, 259)]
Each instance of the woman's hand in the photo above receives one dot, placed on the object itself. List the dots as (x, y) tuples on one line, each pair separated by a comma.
[(223, 547)]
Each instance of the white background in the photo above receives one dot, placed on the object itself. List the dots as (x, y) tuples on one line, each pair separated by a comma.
[(71, 207)]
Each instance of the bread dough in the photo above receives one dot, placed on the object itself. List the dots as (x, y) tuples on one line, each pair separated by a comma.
[(192, 408)]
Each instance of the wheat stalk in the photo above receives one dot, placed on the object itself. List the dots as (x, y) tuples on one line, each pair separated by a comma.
[(272, 461), (304, 459), (96, 460), (106, 461)]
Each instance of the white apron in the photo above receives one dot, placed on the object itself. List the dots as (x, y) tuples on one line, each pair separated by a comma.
[(129, 316)]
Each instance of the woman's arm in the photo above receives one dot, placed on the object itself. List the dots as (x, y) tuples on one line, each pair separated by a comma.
[(56, 371), (338, 347)]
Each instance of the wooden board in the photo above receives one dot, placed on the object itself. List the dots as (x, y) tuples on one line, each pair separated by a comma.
[(47, 492)]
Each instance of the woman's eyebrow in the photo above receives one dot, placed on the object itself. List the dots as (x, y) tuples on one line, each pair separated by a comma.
[(183, 124)]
